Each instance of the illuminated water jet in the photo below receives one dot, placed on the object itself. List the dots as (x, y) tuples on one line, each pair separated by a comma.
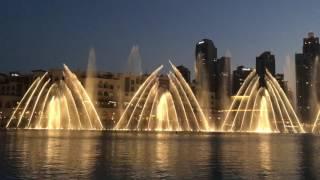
[(55, 104), (264, 108), (314, 96), (91, 76), (163, 103), (263, 119), (134, 61)]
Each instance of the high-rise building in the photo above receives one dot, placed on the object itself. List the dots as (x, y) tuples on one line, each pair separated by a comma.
[(223, 83), (185, 72), (311, 44), (241, 73), (206, 56), (238, 77), (212, 73), (266, 61), (283, 83), (307, 86), (212, 78)]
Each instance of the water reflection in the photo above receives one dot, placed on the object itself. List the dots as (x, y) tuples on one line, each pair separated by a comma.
[(45, 154), (265, 154), (105, 155), (216, 158), (308, 167), (155, 155)]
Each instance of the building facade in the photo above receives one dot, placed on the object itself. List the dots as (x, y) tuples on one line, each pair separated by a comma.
[(212, 80), (307, 83), (238, 77), (185, 72), (12, 88), (266, 61), (206, 58)]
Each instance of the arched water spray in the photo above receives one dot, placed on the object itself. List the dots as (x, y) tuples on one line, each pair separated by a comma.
[(163, 103), (315, 96), (261, 109), (55, 104)]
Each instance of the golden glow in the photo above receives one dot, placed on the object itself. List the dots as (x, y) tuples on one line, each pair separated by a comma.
[(203, 120), (295, 122), (240, 110), (38, 98), (190, 109), (123, 117), (264, 151), (53, 105), (176, 93), (240, 97), (263, 121), (163, 108), (261, 109), (29, 100), (145, 105), (315, 125), (226, 123), (162, 111), (54, 113), (22, 100)]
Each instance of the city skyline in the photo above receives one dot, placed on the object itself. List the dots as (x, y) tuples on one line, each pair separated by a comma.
[(120, 89), (30, 32)]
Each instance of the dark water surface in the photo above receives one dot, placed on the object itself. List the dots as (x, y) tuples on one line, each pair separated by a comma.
[(37, 154)]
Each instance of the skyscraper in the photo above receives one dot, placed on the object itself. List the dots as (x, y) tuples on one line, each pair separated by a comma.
[(212, 78), (238, 77), (306, 82), (223, 83), (185, 72), (266, 61), (206, 56), (212, 72)]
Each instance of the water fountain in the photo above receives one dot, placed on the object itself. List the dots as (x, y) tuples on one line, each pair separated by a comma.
[(314, 95), (90, 75), (289, 71), (55, 104), (261, 106), (163, 103), (134, 64)]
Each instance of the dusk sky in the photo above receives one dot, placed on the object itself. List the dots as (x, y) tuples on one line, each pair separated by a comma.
[(45, 34)]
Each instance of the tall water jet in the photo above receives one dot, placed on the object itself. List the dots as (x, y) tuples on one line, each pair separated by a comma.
[(262, 107), (212, 81), (55, 103), (134, 61), (202, 86), (290, 76), (263, 118), (163, 103), (90, 75)]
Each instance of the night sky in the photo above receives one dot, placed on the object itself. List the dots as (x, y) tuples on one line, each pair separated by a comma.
[(46, 33)]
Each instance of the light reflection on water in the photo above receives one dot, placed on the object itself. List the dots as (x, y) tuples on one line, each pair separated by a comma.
[(34, 154)]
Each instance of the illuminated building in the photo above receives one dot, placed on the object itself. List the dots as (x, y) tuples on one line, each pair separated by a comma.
[(307, 87)]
